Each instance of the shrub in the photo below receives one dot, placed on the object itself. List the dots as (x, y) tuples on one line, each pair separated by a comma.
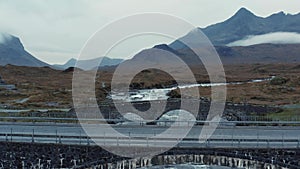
[(279, 81)]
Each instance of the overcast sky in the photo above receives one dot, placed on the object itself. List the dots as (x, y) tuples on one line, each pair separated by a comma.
[(55, 30)]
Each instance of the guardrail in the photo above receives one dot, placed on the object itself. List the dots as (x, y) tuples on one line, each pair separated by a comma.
[(152, 142), (78, 137)]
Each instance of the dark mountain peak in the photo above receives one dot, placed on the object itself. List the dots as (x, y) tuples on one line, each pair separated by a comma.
[(243, 12), (242, 16), (244, 23)]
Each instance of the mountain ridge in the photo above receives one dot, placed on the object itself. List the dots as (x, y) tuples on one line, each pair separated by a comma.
[(253, 54), (12, 52), (245, 23), (90, 63), (242, 24)]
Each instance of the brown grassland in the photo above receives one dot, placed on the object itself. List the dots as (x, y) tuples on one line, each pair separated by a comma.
[(46, 87)]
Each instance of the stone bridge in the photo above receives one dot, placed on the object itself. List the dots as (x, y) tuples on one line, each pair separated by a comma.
[(235, 112), (33, 155)]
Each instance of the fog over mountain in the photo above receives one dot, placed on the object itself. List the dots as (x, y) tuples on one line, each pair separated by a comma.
[(275, 38), (4, 37)]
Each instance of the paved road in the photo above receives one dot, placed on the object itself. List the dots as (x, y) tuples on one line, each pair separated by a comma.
[(248, 136)]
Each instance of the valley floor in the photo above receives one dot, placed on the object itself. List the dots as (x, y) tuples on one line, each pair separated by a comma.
[(48, 88)]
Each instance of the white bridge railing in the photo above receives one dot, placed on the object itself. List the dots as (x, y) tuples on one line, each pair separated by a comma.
[(214, 142), (72, 134)]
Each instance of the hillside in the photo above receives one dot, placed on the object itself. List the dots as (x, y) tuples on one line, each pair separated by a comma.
[(261, 53)]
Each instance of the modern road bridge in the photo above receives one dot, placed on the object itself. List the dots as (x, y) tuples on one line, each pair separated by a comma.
[(58, 145)]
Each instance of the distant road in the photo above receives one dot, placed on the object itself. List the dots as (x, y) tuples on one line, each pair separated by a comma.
[(224, 136)]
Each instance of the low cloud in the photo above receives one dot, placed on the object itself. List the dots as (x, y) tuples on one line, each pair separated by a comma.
[(4, 37), (275, 38)]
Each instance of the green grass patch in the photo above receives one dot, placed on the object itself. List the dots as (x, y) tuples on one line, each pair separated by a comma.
[(287, 114)]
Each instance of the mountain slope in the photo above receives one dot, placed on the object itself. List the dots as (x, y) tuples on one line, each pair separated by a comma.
[(244, 23), (261, 53), (12, 52)]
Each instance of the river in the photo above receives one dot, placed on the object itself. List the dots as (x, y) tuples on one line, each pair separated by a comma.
[(161, 94)]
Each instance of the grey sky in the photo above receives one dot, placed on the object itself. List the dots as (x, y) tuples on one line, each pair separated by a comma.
[(56, 30)]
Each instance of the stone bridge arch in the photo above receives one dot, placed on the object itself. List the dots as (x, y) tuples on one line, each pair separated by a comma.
[(230, 158), (43, 156)]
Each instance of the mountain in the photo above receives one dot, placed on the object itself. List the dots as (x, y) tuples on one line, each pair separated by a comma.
[(260, 53), (90, 64), (13, 52), (244, 23)]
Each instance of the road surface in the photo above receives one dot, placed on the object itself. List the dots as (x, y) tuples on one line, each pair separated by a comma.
[(223, 136)]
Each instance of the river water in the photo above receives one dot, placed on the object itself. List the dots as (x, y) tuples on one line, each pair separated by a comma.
[(161, 94)]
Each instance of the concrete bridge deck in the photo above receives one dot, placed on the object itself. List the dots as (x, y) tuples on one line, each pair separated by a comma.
[(141, 135)]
